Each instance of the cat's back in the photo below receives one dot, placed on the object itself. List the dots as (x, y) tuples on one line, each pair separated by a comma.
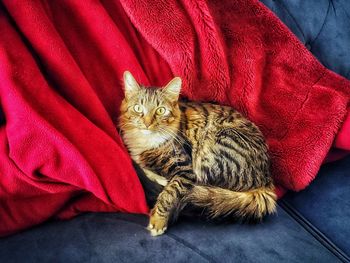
[(211, 115), (205, 107), (203, 122)]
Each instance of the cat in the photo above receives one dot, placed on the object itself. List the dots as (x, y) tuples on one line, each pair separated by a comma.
[(202, 154)]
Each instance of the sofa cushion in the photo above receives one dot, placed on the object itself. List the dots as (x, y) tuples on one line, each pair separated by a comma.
[(322, 25), (123, 238), (325, 204)]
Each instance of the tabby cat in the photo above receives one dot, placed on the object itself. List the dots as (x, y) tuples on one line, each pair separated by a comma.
[(203, 155)]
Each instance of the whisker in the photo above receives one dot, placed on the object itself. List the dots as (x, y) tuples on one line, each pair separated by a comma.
[(122, 126), (181, 139), (172, 135)]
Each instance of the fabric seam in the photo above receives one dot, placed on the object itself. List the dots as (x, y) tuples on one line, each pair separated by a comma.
[(315, 232)]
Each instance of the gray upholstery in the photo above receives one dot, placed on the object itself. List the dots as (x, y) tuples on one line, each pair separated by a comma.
[(123, 238), (326, 203)]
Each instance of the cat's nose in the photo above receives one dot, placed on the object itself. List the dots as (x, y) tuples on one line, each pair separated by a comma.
[(147, 122)]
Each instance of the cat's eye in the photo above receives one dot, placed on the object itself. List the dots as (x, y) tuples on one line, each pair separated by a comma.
[(160, 111), (137, 108)]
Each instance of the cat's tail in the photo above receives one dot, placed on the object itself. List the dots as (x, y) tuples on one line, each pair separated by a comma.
[(220, 203)]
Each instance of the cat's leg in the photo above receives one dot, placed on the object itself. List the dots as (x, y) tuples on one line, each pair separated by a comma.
[(169, 204), (155, 177)]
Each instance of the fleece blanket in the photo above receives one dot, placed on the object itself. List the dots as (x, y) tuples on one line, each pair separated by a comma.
[(61, 64)]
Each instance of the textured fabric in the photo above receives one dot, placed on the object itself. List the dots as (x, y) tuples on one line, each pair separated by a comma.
[(323, 27), (329, 211), (59, 89), (60, 69), (124, 238)]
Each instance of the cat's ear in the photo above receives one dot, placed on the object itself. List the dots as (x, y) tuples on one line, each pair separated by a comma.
[(130, 84), (173, 88)]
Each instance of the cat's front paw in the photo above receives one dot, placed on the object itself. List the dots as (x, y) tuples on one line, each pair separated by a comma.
[(157, 225)]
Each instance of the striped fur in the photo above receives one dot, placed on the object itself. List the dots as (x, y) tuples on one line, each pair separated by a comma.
[(203, 154)]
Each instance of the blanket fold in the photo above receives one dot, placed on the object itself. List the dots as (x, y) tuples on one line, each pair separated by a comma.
[(61, 64)]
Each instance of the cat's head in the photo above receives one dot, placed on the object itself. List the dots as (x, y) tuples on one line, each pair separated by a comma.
[(149, 110)]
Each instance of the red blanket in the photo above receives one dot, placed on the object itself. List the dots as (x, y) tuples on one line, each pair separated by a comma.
[(61, 64)]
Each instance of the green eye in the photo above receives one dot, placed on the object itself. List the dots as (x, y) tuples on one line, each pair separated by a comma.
[(160, 111), (137, 108)]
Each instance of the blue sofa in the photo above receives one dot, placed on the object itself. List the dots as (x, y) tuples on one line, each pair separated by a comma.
[(310, 226)]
